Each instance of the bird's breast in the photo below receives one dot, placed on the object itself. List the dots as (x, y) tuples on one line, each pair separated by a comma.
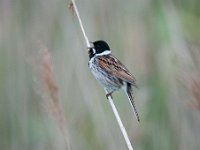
[(108, 81)]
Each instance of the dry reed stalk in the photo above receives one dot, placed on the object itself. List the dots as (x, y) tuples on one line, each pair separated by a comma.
[(73, 7)]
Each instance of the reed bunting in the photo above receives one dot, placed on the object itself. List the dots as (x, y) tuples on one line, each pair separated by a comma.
[(110, 72)]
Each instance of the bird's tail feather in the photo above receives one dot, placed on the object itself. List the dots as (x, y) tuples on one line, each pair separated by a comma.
[(130, 97)]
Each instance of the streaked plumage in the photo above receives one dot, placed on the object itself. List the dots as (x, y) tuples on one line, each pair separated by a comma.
[(110, 72)]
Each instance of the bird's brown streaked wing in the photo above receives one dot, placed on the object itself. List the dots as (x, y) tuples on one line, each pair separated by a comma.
[(113, 66)]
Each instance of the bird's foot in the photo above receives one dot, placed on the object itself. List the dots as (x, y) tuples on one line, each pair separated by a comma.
[(109, 94)]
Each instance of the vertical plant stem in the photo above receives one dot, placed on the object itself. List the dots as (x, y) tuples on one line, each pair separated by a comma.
[(81, 24), (123, 130)]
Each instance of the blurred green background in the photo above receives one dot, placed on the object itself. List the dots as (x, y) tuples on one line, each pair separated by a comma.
[(158, 40)]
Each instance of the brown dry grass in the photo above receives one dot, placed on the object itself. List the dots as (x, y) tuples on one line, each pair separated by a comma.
[(196, 93), (42, 65)]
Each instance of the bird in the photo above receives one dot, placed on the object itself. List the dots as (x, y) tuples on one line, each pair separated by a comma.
[(110, 72)]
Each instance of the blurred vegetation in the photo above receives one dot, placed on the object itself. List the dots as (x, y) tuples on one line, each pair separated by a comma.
[(159, 41)]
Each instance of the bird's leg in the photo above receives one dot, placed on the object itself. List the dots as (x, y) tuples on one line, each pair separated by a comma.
[(109, 94)]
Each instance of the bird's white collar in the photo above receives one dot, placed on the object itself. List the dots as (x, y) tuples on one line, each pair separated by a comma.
[(106, 52)]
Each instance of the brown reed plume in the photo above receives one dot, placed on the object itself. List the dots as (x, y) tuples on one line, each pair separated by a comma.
[(196, 93), (43, 67), (195, 82)]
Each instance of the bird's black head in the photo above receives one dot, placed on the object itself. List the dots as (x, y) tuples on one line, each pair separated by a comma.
[(99, 47)]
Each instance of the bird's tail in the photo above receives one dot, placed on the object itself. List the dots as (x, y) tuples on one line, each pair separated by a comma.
[(130, 97)]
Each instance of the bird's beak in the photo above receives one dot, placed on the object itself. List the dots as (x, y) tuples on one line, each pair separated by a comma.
[(90, 46)]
